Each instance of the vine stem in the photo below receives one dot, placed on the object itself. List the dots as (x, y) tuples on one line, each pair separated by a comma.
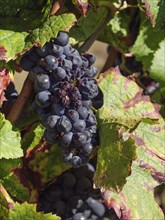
[(17, 108), (88, 43), (110, 59)]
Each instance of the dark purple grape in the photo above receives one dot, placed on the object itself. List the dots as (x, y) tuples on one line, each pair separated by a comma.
[(68, 181), (79, 125), (59, 73), (88, 88), (37, 70), (64, 125), (87, 104), (53, 193), (91, 120), (42, 82), (67, 49), (57, 50), (67, 64), (85, 63), (59, 208), (50, 136), (49, 63), (62, 38), (73, 115), (83, 112), (76, 161), (26, 64), (76, 60), (67, 157), (87, 213), (80, 172), (79, 139), (92, 129), (66, 139), (91, 72), (79, 216), (83, 184), (33, 55), (58, 109), (51, 121), (87, 148), (43, 99), (90, 57), (43, 51), (97, 207)]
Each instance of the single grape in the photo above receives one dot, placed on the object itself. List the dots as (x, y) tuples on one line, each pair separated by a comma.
[(83, 184), (83, 112), (43, 99), (33, 55), (79, 216), (67, 157), (64, 125), (87, 104), (85, 62), (26, 64), (37, 70), (43, 51), (62, 38), (97, 207), (59, 73), (51, 121), (79, 138), (91, 120), (66, 139), (73, 115), (67, 64), (58, 109), (79, 125), (76, 161), (68, 181), (42, 82), (91, 71), (67, 49), (88, 88), (50, 137), (76, 60), (49, 62), (90, 57), (57, 50), (59, 208), (87, 148)]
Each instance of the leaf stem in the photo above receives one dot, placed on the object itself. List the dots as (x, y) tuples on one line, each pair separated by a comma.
[(17, 108)]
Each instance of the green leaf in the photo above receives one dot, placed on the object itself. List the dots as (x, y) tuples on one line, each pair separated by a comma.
[(50, 29), (48, 163), (87, 25), (123, 109), (33, 138), (157, 70), (22, 35), (154, 11), (4, 213), (149, 138), (27, 211), (136, 200), (10, 140), (116, 31), (12, 180), (149, 47)]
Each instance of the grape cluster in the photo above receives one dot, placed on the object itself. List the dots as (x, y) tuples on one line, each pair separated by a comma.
[(72, 197), (64, 84)]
